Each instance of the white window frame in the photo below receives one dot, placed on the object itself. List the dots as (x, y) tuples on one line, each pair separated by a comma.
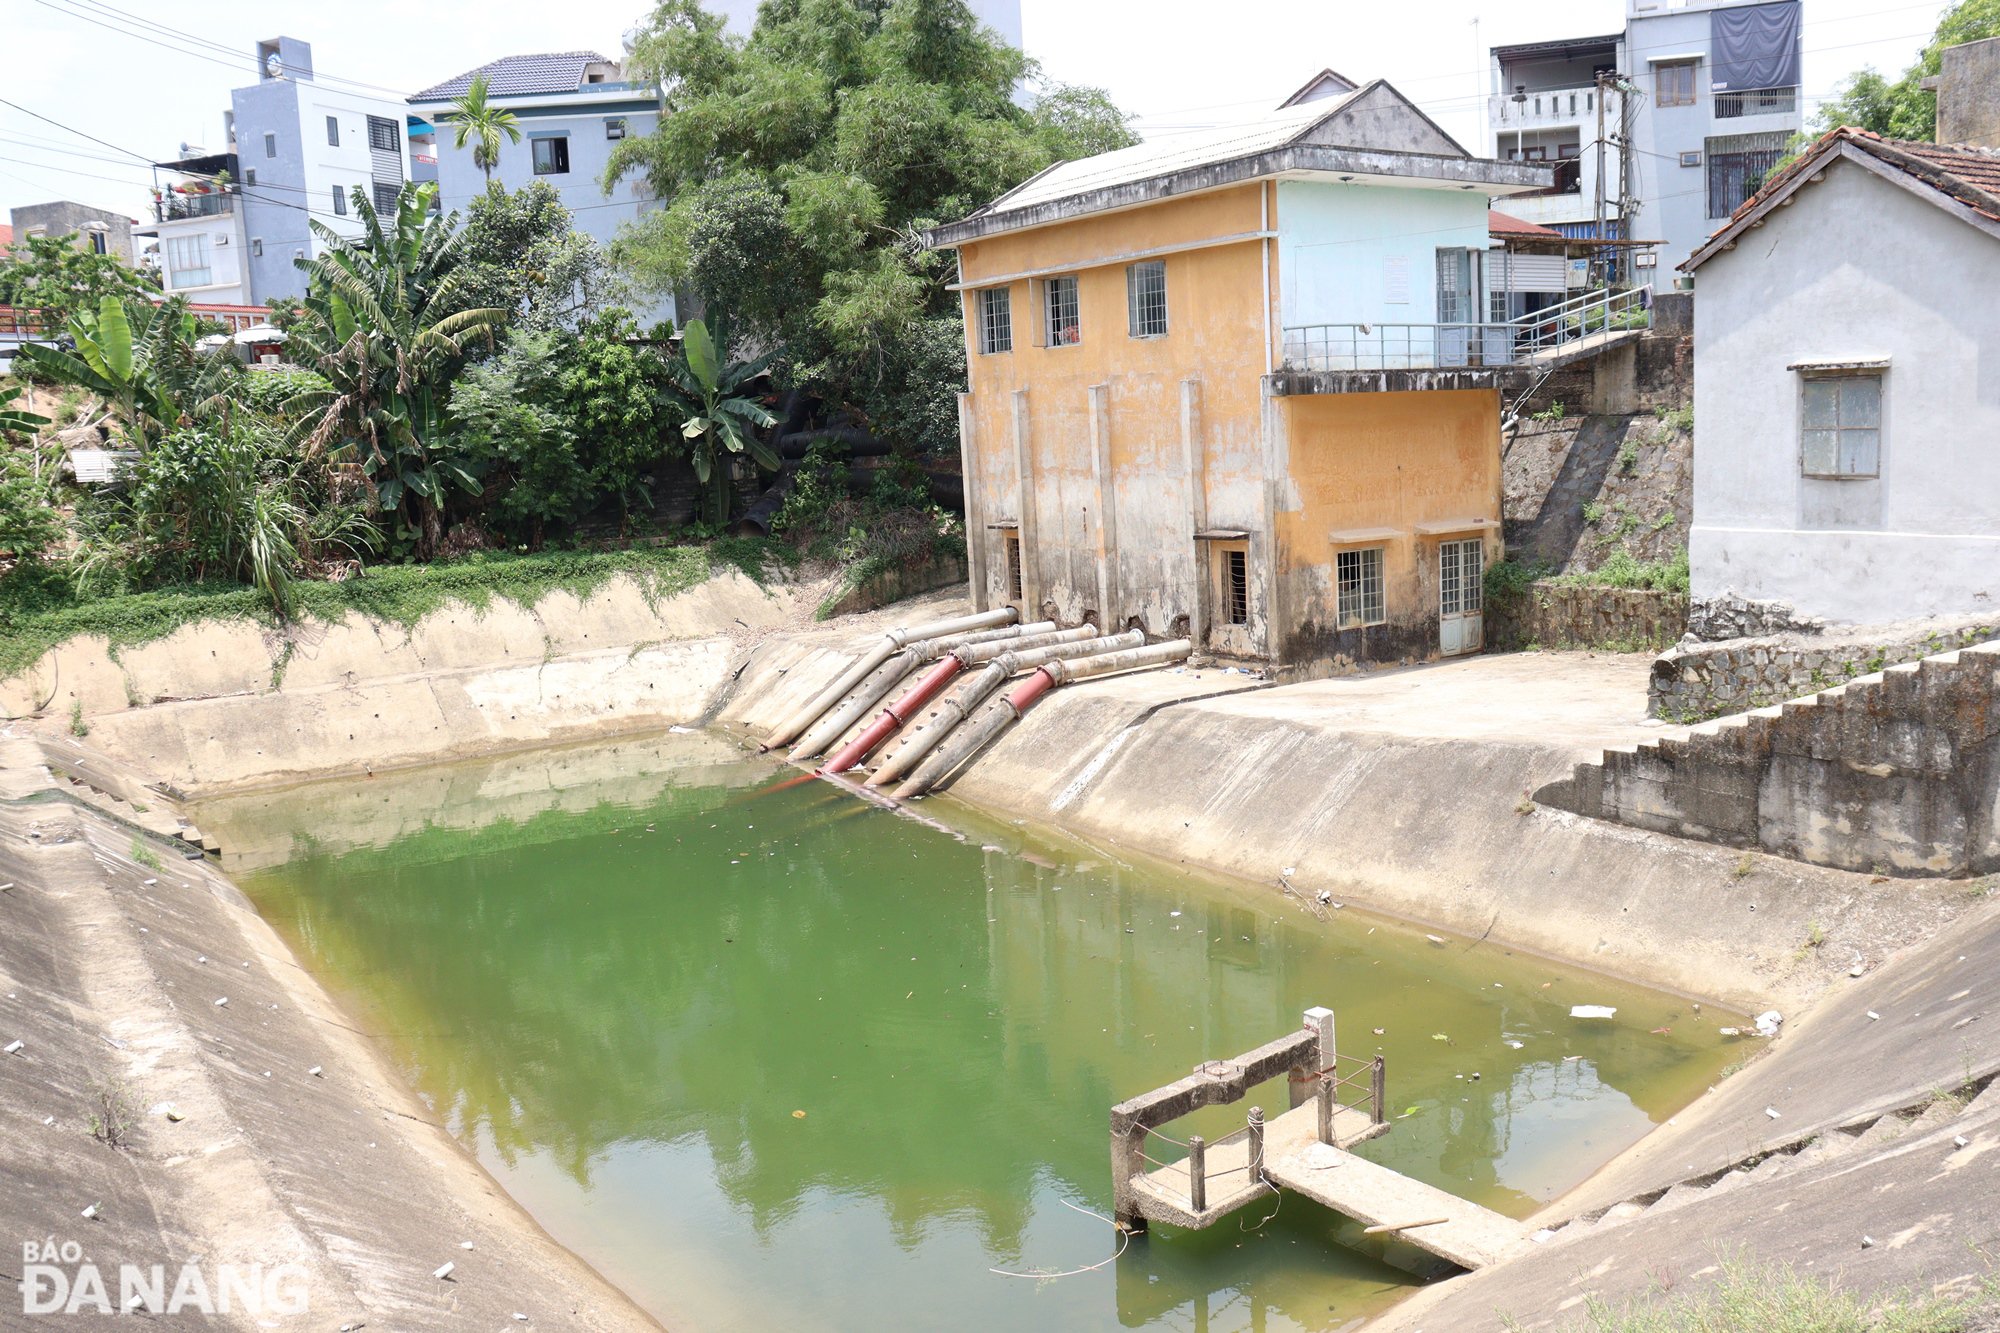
[(188, 262), (1146, 298), (996, 320), (1359, 598), (1865, 429), (614, 127), (1062, 311)]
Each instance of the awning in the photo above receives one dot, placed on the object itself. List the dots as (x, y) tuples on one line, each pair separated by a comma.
[(1355, 536), (261, 333), (1444, 527), (1222, 535)]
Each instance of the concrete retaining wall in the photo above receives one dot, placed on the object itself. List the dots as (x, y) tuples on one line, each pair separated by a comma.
[(1891, 773), (1694, 681), (1554, 615), (217, 706)]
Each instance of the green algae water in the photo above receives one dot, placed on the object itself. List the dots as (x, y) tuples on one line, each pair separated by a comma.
[(768, 1055)]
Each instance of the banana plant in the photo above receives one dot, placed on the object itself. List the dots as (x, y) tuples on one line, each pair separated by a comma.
[(387, 323), (719, 413), (15, 422), (141, 360)]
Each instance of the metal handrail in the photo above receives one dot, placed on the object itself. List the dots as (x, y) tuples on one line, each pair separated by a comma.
[(1468, 345)]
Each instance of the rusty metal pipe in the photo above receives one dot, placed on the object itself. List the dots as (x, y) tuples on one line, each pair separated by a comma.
[(928, 735), (873, 689), (970, 739), (892, 642)]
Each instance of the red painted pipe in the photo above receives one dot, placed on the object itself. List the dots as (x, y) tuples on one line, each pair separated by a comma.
[(1031, 689), (895, 715)]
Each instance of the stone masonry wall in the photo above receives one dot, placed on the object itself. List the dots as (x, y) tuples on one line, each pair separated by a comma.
[(1697, 680), (1897, 772), (1556, 615)]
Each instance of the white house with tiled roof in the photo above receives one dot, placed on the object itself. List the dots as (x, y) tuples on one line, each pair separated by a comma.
[(573, 108), (1847, 385)]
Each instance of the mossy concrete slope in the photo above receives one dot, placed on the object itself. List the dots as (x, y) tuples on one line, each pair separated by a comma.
[(217, 706)]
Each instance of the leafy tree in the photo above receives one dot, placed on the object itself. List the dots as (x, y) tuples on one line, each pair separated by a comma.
[(523, 256), (476, 121), (140, 359), (28, 521), (387, 321), (510, 414), (55, 274), (802, 164), (719, 414), (1902, 109), (615, 396)]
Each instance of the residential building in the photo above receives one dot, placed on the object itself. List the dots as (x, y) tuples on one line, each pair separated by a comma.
[(1231, 384), (303, 147), (1658, 131), (1967, 85), (573, 109), (94, 229), (195, 238), (1849, 386)]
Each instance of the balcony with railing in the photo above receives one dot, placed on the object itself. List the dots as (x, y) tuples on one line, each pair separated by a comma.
[(175, 206), (1324, 358), (1547, 107), (1757, 102)]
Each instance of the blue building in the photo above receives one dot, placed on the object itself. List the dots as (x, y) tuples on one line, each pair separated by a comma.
[(573, 108)]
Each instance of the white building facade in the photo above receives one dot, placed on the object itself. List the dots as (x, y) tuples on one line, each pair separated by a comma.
[(1657, 132), (1849, 387)]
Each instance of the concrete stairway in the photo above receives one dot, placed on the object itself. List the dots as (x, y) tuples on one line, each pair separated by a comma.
[(1867, 775), (1846, 1143)]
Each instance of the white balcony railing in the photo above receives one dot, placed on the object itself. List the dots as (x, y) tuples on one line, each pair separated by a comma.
[(1538, 338), (1551, 106)]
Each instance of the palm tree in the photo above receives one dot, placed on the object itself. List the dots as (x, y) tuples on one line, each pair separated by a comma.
[(386, 321), (482, 124)]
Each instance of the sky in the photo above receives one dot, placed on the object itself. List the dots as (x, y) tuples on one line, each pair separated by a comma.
[(96, 66)]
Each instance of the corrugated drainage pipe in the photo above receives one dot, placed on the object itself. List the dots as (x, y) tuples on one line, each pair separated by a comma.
[(831, 727), (973, 737), (930, 734), (913, 700), (894, 641)]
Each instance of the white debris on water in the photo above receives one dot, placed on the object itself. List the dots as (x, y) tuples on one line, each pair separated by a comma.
[(1769, 1022), (1592, 1011)]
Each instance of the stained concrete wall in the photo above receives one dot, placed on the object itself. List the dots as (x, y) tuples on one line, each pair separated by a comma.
[(1897, 772), (217, 706), (1968, 93), (1818, 283)]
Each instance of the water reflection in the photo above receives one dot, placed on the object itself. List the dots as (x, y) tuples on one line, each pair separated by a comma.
[(620, 975)]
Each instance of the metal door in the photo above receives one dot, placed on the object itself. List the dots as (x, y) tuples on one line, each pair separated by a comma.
[(1461, 571), (1456, 308)]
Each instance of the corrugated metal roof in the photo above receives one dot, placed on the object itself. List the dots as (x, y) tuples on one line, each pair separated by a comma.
[(518, 76), (1168, 153)]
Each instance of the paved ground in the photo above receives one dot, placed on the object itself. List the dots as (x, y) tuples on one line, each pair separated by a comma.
[(1585, 700)]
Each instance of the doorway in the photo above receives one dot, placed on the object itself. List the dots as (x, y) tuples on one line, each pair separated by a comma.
[(1461, 604)]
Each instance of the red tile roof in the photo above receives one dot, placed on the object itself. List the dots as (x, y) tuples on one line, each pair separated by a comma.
[(1965, 173), (6, 238), (1501, 224)]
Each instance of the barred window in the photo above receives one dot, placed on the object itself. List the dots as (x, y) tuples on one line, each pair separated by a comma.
[(1064, 326), (1737, 165), (1840, 432), (386, 198), (1236, 587), (1146, 299), (996, 319), (1013, 541), (382, 134), (1358, 575)]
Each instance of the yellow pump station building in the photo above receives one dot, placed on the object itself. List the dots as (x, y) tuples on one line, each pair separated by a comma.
[(1242, 385)]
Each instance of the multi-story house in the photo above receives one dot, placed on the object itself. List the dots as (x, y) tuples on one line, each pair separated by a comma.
[(303, 147), (1235, 385), (572, 108), (1657, 132), (94, 229), (196, 231)]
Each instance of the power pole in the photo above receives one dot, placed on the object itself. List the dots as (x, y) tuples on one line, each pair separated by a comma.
[(1597, 255)]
